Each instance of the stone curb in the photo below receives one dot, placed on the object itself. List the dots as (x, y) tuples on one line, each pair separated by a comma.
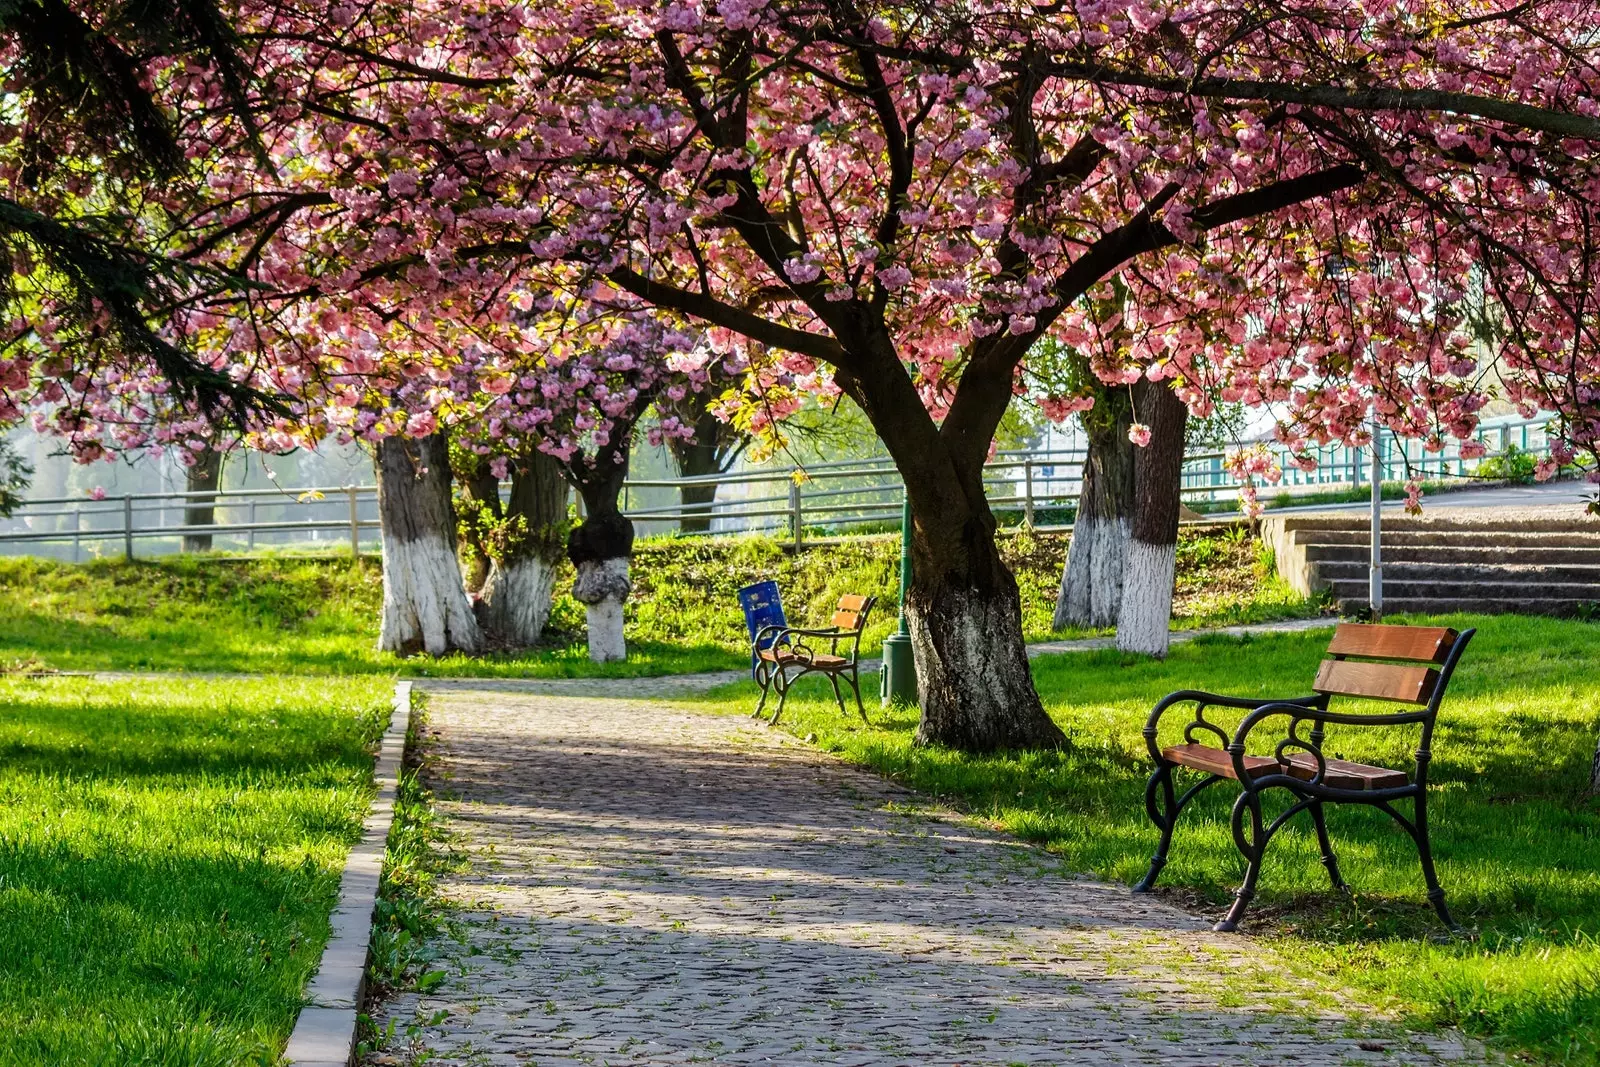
[(325, 1033)]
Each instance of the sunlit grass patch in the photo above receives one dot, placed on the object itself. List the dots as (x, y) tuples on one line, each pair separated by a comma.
[(169, 855)]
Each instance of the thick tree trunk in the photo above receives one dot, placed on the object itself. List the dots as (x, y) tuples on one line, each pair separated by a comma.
[(1594, 773), (600, 548), (425, 604), (965, 615), (1145, 620), (1091, 581), (522, 579), (204, 477)]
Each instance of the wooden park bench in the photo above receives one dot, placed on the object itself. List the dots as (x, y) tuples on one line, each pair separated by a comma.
[(1359, 664), (778, 649)]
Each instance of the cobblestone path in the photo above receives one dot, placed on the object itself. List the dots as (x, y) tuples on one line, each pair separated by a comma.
[(646, 885)]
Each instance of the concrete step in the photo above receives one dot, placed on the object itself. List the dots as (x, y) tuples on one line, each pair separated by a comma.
[(1480, 538), (1528, 575), (1459, 522), (1476, 555), (1447, 605), (1521, 592)]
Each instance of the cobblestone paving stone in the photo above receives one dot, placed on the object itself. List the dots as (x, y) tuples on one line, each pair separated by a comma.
[(649, 885)]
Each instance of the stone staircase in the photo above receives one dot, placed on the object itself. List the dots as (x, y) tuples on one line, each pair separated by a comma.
[(1471, 559)]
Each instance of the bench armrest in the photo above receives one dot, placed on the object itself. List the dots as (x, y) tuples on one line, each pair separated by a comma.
[(1202, 700), (1318, 716)]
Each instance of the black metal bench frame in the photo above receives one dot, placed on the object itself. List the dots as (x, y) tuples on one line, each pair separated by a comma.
[(1164, 805)]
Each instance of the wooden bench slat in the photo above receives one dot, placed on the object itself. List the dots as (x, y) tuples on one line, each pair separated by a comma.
[(1217, 761), (852, 602), (820, 659), (1378, 681), (1429, 644), (846, 620), (1342, 774)]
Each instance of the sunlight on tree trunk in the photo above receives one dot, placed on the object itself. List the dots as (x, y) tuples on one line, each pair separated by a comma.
[(1147, 584), (425, 604), (1091, 581), (522, 578)]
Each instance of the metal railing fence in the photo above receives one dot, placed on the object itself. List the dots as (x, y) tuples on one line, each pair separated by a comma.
[(1037, 488)]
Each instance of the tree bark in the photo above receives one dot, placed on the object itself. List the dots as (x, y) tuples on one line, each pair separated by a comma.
[(1091, 581), (425, 604), (204, 477), (482, 505), (522, 578), (1594, 773), (711, 451), (963, 606), (1146, 616), (600, 548)]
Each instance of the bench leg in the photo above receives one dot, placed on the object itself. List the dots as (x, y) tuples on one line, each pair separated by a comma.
[(855, 685), (1429, 875), (833, 680), (1328, 859), (783, 682), (1165, 816), (1252, 849), (764, 677)]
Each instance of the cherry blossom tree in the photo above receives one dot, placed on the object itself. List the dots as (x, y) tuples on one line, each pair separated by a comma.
[(910, 196)]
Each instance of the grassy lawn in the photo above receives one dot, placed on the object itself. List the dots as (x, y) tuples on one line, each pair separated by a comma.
[(169, 854), (1518, 843), (311, 616)]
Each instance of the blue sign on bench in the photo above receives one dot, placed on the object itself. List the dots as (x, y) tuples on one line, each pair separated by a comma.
[(762, 607)]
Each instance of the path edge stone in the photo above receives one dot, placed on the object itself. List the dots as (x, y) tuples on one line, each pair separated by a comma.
[(325, 1033)]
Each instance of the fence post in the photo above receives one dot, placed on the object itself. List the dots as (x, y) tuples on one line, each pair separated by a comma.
[(1027, 500), (250, 538), (796, 519), (355, 526), (127, 526)]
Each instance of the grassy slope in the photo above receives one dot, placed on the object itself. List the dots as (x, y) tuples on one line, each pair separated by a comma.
[(168, 858), (320, 615), (1516, 839)]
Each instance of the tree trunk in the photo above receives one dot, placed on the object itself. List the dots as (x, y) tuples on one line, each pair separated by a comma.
[(522, 579), (1594, 773), (706, 454), (425, 604), (204, 477), (483, 511), (600, 548), (1091, 581), (965, 615), (1145, 620)]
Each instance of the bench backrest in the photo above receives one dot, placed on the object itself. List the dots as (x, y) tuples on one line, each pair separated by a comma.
[(851, 613), (1367, 675), (1361, 663)]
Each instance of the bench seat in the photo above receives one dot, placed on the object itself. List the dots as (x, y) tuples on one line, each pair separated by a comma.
[(1342, 774)]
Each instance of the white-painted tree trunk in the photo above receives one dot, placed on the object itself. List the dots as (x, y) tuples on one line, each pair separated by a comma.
[(1091, 583), (1147, 584), (517, 598), (424, 602), (602, 586)]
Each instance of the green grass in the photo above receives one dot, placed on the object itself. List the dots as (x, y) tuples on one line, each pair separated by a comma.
[(169, 854), (1518, 843), (319, 616)]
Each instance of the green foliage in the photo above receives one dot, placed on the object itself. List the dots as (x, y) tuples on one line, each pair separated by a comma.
[(169, 855), (1514, 465), (16, 474), (1514, 832)]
